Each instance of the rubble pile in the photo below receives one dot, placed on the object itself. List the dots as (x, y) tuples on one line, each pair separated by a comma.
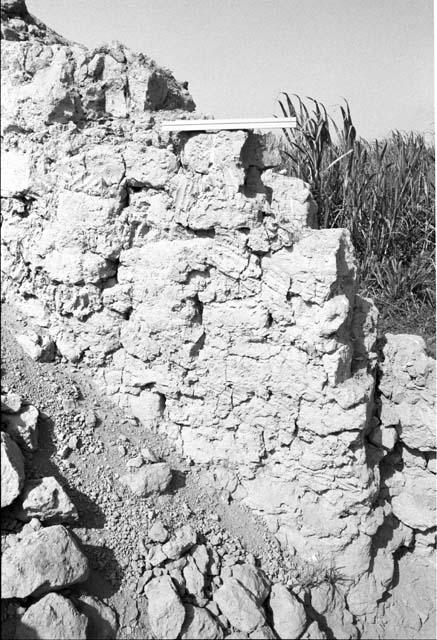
[(186, 275)]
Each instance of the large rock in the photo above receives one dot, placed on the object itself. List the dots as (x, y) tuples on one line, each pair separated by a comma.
[(52, 618), (46, 500), (329, 602), (194, 579), (102, 620), (149, 167), (152, 478), (156, 556), (157, 532), (165, 609), (408, 391), (253, 579), (23, 426), (200, 625), (288, 614), (36, 346), (410, 611), (201, 557), (12, 468), (413, 494), (239, 606), (181, 541), (10, 402), (42, 561)]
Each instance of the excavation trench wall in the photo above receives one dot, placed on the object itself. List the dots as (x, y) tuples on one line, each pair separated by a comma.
[(185, 272)]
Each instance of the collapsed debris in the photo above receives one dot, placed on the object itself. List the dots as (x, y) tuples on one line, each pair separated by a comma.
[(185, 274)]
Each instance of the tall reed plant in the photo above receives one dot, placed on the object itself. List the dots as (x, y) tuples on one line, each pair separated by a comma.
[(383, 191)]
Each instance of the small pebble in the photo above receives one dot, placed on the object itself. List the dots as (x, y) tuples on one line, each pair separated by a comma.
[(64, 452), (135, 463), (73, 442)]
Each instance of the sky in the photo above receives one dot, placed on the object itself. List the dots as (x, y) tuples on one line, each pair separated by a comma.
[(239, 55)]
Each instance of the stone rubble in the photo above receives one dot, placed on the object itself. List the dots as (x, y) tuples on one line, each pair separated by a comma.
[(158, 533), (288, 614), (22, 426), (185, 599), (183, 539), (153, 478), (407, 389), (214, 595), (101, 619), (328, 602), (253, 580), (199, 623), (52, 617), (41, 561), (188, 291), (10, 402), (46, 500), (239, 606), (165, 609), (12, 470), (36, 347), (185, 274)]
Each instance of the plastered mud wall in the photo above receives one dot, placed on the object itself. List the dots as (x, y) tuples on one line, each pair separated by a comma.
[(185, 272)]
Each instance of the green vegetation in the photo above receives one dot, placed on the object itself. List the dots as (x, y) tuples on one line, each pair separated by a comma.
[(384, 193)]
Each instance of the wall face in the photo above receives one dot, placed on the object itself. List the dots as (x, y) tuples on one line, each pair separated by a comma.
[(187, 275)]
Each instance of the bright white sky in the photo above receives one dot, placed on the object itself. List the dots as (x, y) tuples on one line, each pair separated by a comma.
[(238, 55)]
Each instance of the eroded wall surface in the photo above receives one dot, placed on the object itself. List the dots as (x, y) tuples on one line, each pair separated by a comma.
[(186, 273)]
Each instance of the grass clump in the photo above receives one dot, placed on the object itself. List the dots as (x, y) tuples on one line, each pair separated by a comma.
[(319, 571), (383, 191)]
